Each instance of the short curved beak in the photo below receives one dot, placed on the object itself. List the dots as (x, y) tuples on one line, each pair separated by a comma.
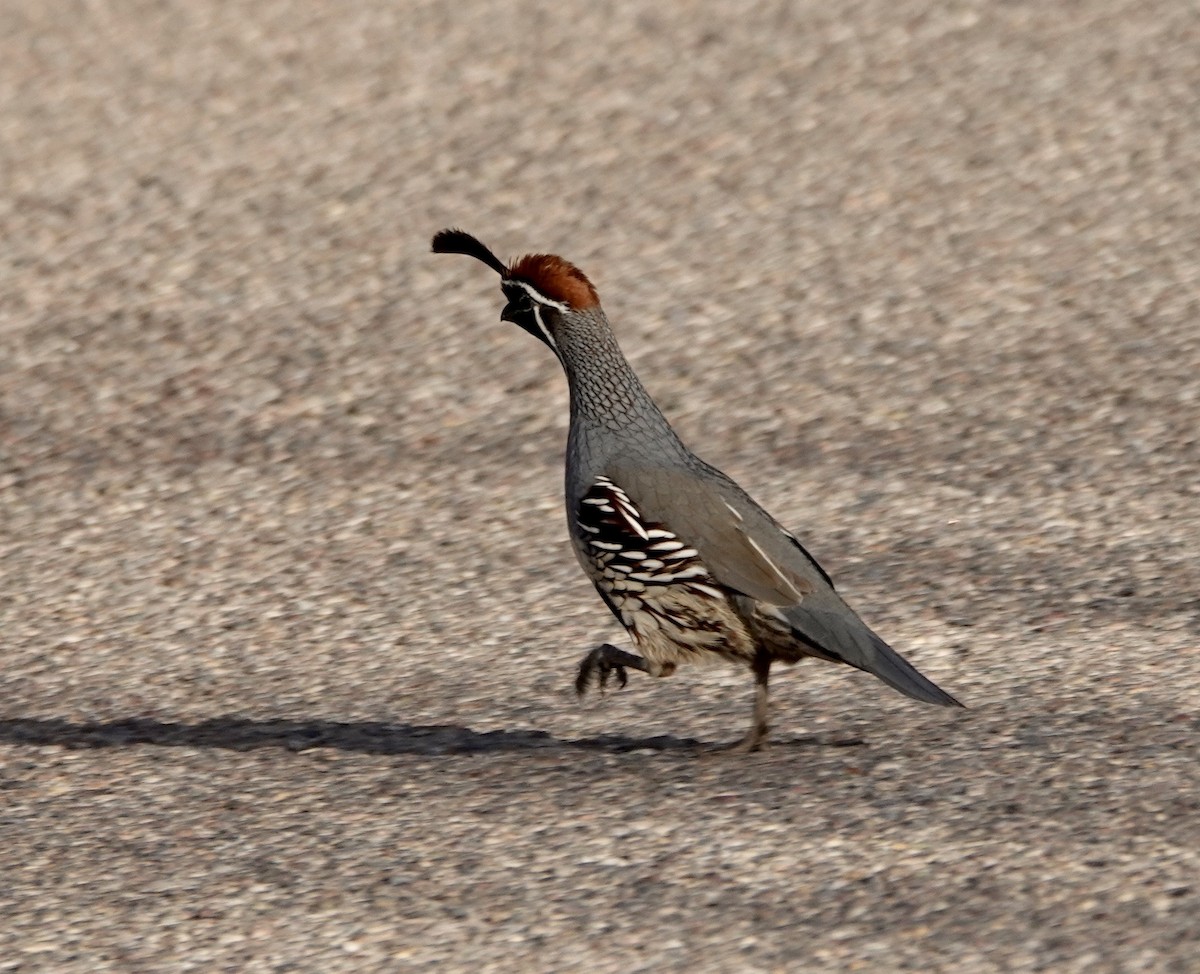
[(509, 313)]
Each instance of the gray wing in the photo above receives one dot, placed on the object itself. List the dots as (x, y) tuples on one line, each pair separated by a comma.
[(739, 543), (746, 550)]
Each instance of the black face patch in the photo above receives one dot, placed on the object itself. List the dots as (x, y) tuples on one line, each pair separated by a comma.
[(527, 312), (518, 298)]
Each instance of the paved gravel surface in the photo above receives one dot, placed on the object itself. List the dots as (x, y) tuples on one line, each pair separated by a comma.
[(289, 617)]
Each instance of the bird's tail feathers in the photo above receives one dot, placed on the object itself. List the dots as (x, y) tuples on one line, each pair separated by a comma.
[(851, 641), (900, 674)]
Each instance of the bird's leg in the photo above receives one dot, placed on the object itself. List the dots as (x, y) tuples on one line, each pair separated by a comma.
[(604, 660), (756, 737)]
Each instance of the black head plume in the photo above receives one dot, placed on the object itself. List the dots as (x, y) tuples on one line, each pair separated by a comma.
[(456, 241)]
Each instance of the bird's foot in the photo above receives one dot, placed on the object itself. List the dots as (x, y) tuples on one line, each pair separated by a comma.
[(605, 661), (760, 723), (755, 740)]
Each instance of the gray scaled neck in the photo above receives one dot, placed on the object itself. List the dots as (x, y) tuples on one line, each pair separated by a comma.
[(613, 418)]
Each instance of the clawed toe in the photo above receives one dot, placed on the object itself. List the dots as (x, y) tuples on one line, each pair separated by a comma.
[(751, 743), (603, 662), (589, 668), (606, 669), (599, 670)]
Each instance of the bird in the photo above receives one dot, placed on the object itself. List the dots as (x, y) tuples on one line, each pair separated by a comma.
[(690, 565)]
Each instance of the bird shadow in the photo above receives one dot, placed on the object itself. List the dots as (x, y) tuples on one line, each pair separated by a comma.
[(362, 737)]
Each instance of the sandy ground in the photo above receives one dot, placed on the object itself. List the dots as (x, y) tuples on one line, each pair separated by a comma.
[(288, 617)]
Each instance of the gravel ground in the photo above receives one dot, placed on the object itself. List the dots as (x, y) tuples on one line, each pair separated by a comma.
[(289, 617)]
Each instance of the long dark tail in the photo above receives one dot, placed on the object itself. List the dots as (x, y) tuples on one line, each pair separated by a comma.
[(842, 636), (900, 674)]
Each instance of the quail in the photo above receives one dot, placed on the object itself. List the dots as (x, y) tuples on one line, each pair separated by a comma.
[(692, 567)]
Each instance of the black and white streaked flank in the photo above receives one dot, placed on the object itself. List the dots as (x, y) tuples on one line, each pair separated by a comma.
[(655, 583)]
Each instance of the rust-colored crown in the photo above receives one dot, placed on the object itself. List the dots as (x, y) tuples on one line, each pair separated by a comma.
[(557, 279), (552, 277)]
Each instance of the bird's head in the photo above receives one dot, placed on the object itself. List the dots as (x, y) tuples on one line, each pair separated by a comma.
[(543, 291)]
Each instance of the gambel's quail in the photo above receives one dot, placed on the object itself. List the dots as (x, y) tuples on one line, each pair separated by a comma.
[(689, 564)]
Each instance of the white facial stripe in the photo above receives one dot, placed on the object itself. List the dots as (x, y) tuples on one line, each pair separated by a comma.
[(537, 316), (538, 297)]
